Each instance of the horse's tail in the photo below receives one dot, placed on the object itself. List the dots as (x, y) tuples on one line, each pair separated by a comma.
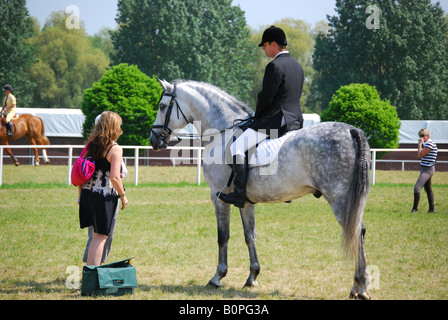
[(357, 196), (42, 132)]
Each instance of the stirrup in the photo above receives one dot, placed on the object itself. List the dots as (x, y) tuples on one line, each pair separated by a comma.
[(218, 194)]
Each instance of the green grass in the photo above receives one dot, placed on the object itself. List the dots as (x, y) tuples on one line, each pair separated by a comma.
[(170, 230)]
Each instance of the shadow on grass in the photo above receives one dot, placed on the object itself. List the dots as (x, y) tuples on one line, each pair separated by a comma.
[(198, 291), (56, 289)]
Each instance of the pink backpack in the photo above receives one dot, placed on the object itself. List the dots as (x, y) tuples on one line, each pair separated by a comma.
[(82, 169)]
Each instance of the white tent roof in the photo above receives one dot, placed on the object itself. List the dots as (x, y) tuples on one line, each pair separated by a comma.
[(410, 128), (58, 122), (310, 118)]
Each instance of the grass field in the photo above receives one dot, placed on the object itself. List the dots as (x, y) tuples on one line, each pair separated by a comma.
[(170, 230)]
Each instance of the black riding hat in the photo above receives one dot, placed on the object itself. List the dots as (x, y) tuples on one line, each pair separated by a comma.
[(7, 87), (274, 33)]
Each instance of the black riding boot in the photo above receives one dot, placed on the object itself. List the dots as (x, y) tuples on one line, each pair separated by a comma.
[(238, 196), (9, 127), (416, 201), (431, 202)]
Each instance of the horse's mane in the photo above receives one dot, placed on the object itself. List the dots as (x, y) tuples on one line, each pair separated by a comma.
[(217, 96)]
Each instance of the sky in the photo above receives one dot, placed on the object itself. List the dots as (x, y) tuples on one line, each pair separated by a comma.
[(101, 13)]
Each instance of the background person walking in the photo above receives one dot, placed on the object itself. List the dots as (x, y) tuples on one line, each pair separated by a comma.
[(427, 152)]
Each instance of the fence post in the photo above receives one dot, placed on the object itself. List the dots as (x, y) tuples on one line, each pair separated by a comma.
[(69, 169), (136, 167), (373, 166), (199, 162), (1, 166)]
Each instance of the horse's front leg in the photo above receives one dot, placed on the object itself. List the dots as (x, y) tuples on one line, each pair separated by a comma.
[(222, 211), (250, 235), (14, 159)]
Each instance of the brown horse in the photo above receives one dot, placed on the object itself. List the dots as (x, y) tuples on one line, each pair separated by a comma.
[(28, 126)]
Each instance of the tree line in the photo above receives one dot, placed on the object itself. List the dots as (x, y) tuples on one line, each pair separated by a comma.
[(405, 56)]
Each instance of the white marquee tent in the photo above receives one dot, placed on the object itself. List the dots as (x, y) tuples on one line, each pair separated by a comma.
[(59, 122), (409, 130)]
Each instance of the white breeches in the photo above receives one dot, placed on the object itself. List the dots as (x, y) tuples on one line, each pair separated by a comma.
[(247, 140)]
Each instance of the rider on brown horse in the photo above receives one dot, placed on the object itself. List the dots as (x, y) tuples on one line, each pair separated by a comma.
[(27, 125), (9, 108)]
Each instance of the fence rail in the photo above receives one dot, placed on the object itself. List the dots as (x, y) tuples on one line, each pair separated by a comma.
[(374, 160), (198, 157)]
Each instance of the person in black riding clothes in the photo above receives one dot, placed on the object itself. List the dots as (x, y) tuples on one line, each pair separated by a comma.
[(277, 112)]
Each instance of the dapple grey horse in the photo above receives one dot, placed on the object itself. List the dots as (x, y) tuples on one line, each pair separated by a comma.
[(327, 159)]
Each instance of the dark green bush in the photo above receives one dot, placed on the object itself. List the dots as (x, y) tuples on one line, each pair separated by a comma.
[(361, 106), (129, 92)]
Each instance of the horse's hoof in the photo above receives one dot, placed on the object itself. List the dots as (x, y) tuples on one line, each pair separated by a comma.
[(17, 164), (360, 296), (213, 284), (250, 284), (364, 296), (47, 162)]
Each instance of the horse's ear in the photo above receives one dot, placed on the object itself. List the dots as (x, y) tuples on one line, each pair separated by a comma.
[(166, 85)]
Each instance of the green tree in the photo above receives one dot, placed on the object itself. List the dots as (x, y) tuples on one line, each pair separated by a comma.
[(102, 40), (129, 92), (405, 58), (203, 40), (361, 106), (16, 54), (67, 64)]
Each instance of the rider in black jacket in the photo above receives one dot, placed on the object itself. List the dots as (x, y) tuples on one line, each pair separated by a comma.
[(278, 108)]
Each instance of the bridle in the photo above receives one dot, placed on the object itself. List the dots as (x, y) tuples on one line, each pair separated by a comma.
[(166, 130)]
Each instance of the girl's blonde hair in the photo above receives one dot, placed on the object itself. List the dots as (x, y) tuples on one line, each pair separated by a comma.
[(107, 130)]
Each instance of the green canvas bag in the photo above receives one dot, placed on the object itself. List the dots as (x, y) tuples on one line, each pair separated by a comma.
[(115, 279)]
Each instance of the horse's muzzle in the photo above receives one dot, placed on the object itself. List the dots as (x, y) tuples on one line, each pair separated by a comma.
[(157, 142)]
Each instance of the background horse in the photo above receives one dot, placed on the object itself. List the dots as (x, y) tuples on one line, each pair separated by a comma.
[(327, 159), (33, 129)]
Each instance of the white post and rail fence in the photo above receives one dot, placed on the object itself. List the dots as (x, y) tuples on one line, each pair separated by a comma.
[(197, 157)]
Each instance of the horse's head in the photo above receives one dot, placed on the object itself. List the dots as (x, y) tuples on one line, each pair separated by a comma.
[(169, 117)]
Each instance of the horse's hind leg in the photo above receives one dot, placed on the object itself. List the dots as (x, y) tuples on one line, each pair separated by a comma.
[(36, 157), (41, 142), (44, 154), (36, 151), (222, 211), (362, 277), (250, 235)]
